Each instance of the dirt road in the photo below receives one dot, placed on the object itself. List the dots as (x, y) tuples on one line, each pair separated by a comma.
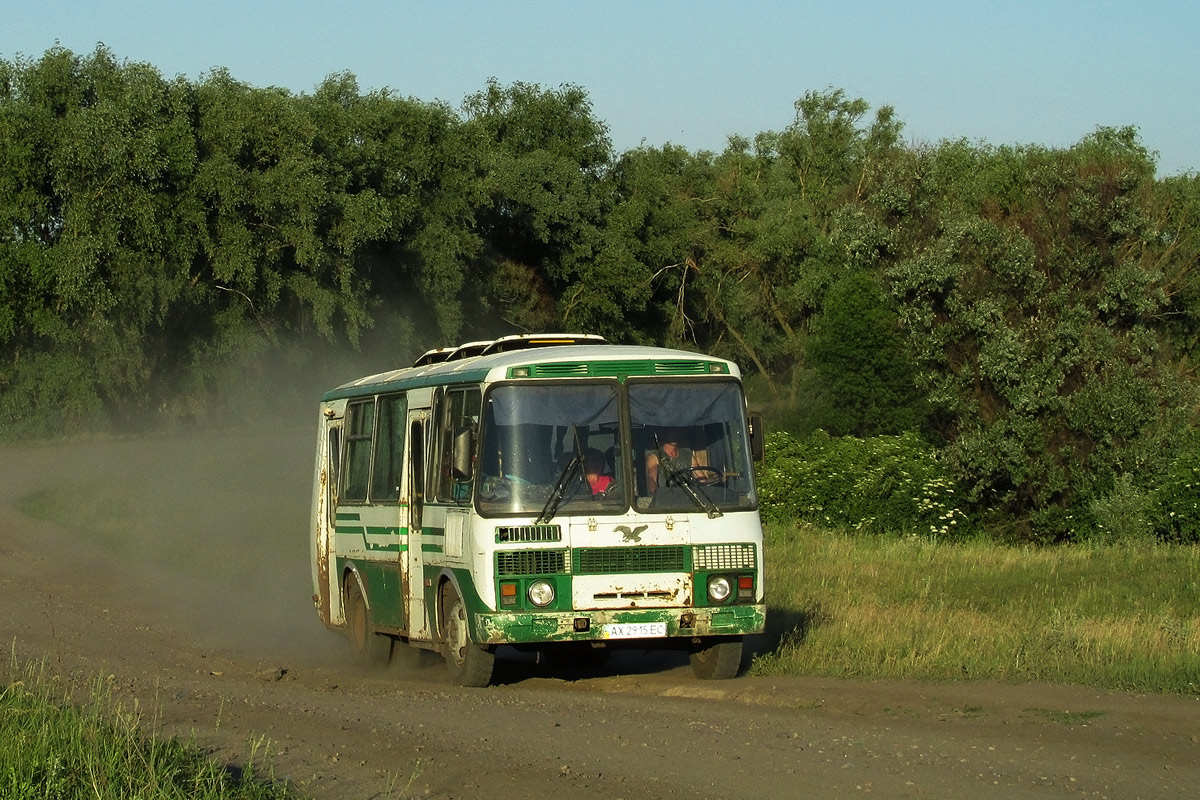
[(176, 570)]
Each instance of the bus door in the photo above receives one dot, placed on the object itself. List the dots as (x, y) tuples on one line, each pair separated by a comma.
[(414, 560), (384, 516), (325, 582)]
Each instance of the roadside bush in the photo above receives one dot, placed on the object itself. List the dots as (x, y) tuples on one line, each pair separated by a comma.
[(1125, 514), (1175, 501), (48, 394), (880, 484)]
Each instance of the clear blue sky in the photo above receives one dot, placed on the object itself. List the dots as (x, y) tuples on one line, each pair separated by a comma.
[(692, 73)]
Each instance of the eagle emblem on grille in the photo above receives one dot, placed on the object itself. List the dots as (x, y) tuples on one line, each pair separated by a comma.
[(631, 534)]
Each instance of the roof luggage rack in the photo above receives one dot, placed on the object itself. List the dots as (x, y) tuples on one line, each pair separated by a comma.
[(525, 341), (520, 341)]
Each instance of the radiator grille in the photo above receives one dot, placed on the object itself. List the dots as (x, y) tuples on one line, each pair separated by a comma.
[(724, 556), (531, 562), (529, 533), (620, 560)]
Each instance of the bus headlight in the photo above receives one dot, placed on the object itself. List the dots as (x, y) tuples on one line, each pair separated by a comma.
[(719, 588), (541, 593)]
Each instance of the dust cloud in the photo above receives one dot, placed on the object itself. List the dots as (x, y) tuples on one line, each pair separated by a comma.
[(203, 531), (206, 533)]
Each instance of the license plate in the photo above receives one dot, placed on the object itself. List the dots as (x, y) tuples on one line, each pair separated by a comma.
[(635, 630)]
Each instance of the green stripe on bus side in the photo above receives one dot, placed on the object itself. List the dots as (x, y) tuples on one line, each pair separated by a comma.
[(400, 546), (433, 533), (349, 516)]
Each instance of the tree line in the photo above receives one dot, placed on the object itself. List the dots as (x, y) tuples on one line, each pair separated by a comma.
[(1029, 312)]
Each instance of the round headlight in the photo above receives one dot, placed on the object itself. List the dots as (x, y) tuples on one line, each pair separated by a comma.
[(541, 593), (719, 588)]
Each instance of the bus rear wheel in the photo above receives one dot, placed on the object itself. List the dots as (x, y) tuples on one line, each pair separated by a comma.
[(717, 660), (370, 648), (469, 664)]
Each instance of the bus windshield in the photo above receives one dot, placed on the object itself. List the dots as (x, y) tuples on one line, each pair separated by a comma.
[(557, 449), (551, 444), (690, 447)]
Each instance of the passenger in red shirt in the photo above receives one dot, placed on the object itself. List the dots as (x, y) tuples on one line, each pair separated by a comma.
[(593, 470)]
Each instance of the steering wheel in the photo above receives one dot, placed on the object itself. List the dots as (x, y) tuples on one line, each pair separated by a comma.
[(700, 469)]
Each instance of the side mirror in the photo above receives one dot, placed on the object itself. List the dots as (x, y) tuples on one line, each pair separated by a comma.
[(464, 453), (757, 435)]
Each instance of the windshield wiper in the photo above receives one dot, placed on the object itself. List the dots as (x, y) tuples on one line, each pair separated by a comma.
[(560, 489), (564, 480), (685, 480)]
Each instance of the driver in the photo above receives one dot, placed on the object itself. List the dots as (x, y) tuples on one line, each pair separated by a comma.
[(675, 445)]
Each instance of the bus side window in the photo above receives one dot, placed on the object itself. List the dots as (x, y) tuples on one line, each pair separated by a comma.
[(335, 454), (360, 423), (389, 448), (416, 446), (457, 409)]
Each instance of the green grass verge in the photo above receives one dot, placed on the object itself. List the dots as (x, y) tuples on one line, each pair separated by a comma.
[(1114, 616), (51, 747)]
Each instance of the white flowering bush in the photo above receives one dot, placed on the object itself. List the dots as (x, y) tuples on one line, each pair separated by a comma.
[(878, 484)]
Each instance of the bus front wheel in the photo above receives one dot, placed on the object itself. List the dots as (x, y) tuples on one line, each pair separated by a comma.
[(370, 648), (718, 660), (469, 664)]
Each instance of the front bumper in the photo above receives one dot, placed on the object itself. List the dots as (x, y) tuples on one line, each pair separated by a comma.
[(525, 627)]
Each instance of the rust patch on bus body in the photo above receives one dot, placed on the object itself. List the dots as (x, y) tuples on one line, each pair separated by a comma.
[(322, 549)]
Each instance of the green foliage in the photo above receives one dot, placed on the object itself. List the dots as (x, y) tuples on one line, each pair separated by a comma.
[(867, 385), (1173, 207), (48, 394), (1124, 514), (544, 155), (881, 484), (1030, 315), (93, 242), (1031, 310), (1176, 500)]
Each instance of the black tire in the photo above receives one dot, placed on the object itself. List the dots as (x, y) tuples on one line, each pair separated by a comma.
[(469, 664), (718, 660), (371, 649)]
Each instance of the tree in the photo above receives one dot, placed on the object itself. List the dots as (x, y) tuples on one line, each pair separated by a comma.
[(545, 156), (1030, 315), (406, 181), (787, 219), (857, 355), (93, 236), (1173, 208)]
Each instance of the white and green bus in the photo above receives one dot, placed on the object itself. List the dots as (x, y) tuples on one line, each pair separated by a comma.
[(550, 493)]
